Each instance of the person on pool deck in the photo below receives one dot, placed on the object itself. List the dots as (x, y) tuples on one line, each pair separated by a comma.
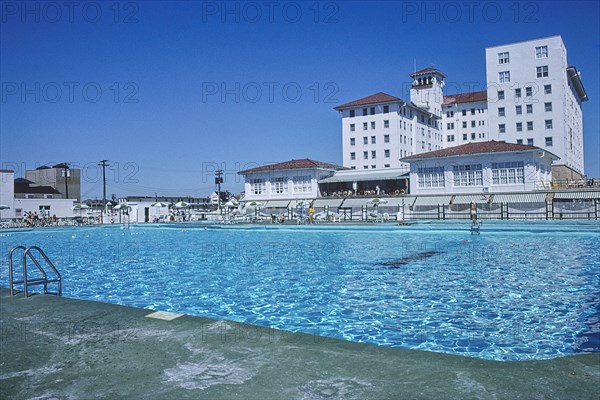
[(473, 211)]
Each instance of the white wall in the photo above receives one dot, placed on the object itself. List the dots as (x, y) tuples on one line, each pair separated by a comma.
[(315, 175), (7, 193), (566, 109), (59, 207), (480, 118), (408, 136), (537, 169)]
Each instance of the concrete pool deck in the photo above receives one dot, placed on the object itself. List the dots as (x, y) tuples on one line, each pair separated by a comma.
[(58, 348)]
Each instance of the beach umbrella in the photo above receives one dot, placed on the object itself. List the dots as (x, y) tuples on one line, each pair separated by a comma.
[(121, 206), (182, 204), (377, 201), (230, 204), (160, 204), (80, 207), (254, 203), (3, 207)]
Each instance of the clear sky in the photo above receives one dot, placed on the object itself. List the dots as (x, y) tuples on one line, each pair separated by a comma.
[(169, 91)]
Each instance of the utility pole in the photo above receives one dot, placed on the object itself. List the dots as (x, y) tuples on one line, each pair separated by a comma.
[(66, 167), (218, 181), (104, 165)]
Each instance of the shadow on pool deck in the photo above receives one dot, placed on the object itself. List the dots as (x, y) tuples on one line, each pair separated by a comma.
[(53, 347)]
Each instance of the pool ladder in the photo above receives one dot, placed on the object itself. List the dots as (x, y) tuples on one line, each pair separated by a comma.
[(26, 282)]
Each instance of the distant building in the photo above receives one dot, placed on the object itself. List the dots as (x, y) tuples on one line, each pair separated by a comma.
[(294, 179), (60, 177), (43, 200), (533, 97), (486, 167)]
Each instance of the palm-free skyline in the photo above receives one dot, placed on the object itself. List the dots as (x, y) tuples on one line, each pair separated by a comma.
[(169, 92)]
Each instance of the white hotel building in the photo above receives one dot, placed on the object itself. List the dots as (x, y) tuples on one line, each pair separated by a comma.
[(533, 97)]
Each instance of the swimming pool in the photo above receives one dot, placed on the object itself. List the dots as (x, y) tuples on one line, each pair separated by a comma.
[(518, 291)]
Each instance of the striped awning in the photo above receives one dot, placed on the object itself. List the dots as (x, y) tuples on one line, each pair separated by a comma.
[(468, 198), (432, 200), (520, 198), (328, 202), (577, 195), (277, 204)]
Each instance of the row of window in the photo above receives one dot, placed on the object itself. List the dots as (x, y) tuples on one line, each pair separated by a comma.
[(540, 72), (386, 124), (450, 125), (506, 173), (519, 126), (369, 111), (547, 141), (301, 184), (540, 52), (386, 154), (465, 136), (528, 92), (519, 109), (386, 139), (372, 166)]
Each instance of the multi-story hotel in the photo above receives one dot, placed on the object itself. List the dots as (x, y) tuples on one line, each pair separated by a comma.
[(533, 97)]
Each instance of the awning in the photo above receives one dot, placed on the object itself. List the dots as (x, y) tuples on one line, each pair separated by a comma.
[(520, 198), (355, 202), (328, 202), (468, 198), (277, 204), (294, 203), (432, 200), (366, 175), (577, 195)]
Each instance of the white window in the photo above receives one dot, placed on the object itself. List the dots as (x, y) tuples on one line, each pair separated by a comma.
[(508, 173), (352, 141), (548, 123), (548, 106), (501, 112), (519, 127), (386, 138), (500, 96), (468, 175), (386, 123), (365, 155), (302, 184), (450, 138), (373, 140), (517, 93), (279, 185), (353, 156), (542, 72), (365, 140), (372, 124), (386, 153), (547, 89), (549, 141), (373, 154), (541, 52), (430, 177), (504, 77), (502, 128), (258, 186), (352, 127), (529, 91), (529, 108), (503, 58), (518, 110), (530, 141), (529, 125), (365, 126)]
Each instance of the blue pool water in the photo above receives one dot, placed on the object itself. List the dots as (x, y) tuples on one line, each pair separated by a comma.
[(518, 291)]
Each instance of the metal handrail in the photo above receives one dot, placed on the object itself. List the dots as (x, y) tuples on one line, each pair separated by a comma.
[(26, 282)]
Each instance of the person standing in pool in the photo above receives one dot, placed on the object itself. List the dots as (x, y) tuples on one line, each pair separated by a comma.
[(473, 211)]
